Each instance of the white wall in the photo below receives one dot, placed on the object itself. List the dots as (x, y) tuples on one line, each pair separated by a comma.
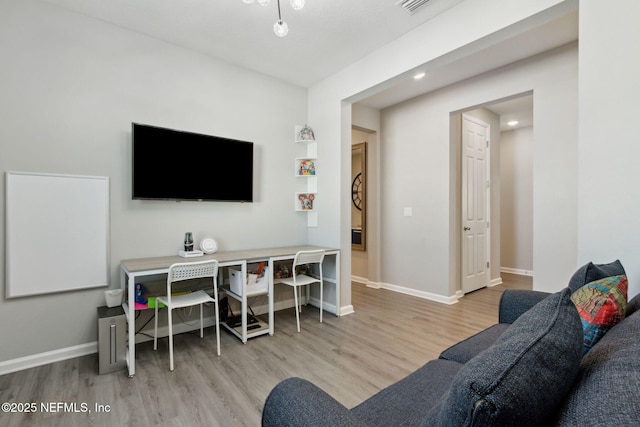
[(330, 112), (417, 164), (367, 118), (359, 258), (71, 86), (609, 148), (516, 200)]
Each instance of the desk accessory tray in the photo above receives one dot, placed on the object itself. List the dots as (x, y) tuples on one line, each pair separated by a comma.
[(190, 254)]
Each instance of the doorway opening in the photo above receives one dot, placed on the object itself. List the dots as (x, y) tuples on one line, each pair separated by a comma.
[(363, 206), (509, 182)]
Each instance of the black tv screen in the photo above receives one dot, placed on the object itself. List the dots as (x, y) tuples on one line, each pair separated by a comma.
[(176, 165)]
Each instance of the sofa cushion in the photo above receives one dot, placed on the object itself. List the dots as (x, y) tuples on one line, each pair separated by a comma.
[(407, 402), (606, 391), (601, 304), (514, 302), (522, 377), (466, 350), (297, 402), (633, 305), (590, 272)]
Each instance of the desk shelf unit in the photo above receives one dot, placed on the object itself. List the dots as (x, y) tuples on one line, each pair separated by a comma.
[(243, 332)]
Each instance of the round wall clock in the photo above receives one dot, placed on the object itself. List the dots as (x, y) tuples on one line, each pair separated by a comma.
[(356, 191)]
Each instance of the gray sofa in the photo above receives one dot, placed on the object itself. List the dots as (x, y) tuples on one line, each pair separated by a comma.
[(529, 369)]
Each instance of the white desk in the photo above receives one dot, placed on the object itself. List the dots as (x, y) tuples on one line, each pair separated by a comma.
[(134, 268)]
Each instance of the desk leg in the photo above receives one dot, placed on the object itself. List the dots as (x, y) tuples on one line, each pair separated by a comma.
[(338, 290), (243, 303), (270, 296), (132, 325)]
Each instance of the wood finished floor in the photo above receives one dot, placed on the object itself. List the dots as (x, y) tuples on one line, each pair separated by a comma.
[(351, 357)]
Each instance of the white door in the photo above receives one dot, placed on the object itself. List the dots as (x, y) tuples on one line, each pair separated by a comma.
[(475, 191)]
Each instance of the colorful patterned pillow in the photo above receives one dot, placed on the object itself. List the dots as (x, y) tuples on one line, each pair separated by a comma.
[(601, 304)]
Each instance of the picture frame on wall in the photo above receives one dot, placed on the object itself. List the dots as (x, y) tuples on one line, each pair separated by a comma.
[(305, 202), (305, 167)]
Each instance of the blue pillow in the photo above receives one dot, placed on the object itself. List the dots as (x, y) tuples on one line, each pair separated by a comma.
[(591, 272), (523, 376)]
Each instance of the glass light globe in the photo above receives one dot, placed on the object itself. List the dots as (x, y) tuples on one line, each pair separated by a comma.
[(264, 2), (297, 4), (280, 28)]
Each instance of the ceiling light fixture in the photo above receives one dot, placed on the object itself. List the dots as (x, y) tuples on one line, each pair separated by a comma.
[(512, 122), (419, 76), (280, 28)]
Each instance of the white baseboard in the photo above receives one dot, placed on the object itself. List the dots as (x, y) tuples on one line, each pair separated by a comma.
[(420, 294), (346, 310), (365, 281), (495, 282), (359, 279), (516, 271), (26, 362)]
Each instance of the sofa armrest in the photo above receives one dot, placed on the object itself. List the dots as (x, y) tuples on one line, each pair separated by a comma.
[(297, 402), (515, 302)]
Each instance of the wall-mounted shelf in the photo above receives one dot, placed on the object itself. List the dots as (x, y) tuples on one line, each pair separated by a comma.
[(306, 167)]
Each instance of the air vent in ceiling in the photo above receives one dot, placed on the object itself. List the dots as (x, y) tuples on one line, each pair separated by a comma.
[(411, 6)]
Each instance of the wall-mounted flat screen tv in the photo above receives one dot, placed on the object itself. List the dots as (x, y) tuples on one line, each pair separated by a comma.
[(177, 165)]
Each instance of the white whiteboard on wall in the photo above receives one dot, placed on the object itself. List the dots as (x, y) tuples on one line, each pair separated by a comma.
[(57, 233)]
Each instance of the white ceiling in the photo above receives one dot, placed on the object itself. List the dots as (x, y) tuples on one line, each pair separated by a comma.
[(324, 37), (519, 109)]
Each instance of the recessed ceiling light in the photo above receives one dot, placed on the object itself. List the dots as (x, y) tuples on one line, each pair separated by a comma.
[(419, 76), (512, 122)]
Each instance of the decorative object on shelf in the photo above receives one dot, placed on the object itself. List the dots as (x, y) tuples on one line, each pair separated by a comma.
[(208, 245), (305, 134), (282, 272), (305, 167), (188, 242), (280, 28), (304, 201), (139, 291), (113, 297)]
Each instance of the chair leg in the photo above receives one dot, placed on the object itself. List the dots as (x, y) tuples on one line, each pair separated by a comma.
[(308, 295), (155, 330), (201, 323), (170, 339), (215, 304), (321, 301), (295, 297)]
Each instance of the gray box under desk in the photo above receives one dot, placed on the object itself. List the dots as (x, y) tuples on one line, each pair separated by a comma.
[(112, 339)]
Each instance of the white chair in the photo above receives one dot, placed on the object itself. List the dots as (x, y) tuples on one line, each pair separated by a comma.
[(185, 271), (297, 281)]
